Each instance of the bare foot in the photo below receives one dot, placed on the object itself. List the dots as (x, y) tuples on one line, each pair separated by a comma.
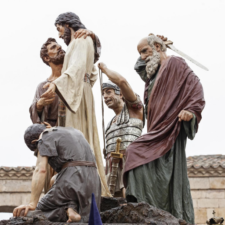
[(73, 216)]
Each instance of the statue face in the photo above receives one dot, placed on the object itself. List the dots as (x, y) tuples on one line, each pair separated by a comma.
[(64, 32), (112, 100), (54, 49), (144, 49), (55, 53), (61, 30)]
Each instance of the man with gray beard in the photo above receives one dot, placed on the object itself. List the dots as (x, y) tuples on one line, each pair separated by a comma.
[(155, 169)]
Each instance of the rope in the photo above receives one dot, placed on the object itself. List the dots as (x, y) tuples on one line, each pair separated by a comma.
[(103, 122)]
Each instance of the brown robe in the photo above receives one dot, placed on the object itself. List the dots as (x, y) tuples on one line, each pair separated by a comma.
[(176, 88), (49, 113)]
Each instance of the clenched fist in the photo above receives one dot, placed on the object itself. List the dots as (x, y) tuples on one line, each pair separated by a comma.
[(185, 115), (102, 67)]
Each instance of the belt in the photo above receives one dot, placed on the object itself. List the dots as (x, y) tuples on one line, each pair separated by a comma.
[(87, 78), (79, 163)]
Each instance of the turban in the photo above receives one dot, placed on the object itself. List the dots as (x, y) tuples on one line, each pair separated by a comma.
[(110, 84)]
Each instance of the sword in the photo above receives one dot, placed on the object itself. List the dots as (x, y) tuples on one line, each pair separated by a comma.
[(169, 44), (117, 156)]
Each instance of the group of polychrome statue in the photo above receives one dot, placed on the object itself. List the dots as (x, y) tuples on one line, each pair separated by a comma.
[(64, 134)]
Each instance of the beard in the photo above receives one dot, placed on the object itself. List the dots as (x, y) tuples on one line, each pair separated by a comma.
[(152, 64), (59, 59), (67, 35)]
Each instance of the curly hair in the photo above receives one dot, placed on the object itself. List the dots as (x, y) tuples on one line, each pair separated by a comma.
[(71, 19), (32, 133), (44, 50)]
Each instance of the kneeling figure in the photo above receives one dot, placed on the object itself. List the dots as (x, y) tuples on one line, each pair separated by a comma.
[(69, 154)]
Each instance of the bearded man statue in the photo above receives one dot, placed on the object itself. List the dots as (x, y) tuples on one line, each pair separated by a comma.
[(155, 169)]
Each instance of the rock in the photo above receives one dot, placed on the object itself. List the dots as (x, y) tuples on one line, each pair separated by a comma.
[(139, 213), (132, 213), (29, 221), (108, 203)]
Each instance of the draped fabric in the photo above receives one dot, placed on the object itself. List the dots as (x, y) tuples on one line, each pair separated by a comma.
[(57, 111), (49, 113), (176, 88), (78, 97), (163, 182)]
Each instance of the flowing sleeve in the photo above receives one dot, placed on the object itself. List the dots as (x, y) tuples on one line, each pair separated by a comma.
[(190, 127), (69, 86), (34, 114)]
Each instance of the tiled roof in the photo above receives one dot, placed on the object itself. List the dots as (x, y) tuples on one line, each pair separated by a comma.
[(206, 161), (206, 166), (201, 165), (20, 172), (18, 168)]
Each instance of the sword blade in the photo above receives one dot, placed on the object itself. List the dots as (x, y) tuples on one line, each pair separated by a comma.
[(186, 57)]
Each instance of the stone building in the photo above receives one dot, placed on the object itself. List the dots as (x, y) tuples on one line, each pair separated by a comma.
[(206, 174), (207, 180), (15, 187)]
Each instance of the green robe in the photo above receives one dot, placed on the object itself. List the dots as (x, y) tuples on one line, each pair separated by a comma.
[(163, 182)]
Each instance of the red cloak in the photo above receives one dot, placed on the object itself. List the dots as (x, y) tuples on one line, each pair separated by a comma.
[(176, 88)]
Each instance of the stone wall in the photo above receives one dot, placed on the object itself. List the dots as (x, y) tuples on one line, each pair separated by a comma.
[(207, 188), (208, 194), (15, 187)]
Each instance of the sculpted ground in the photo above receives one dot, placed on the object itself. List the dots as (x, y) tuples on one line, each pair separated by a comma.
[(132, 213)]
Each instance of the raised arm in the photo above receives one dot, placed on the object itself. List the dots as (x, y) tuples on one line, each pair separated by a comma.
[(120, 81), (37, 186)]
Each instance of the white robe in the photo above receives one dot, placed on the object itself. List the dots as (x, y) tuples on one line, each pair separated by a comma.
[(78, 96)]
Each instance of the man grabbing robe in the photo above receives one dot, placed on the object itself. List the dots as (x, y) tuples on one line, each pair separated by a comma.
[(156, 170)]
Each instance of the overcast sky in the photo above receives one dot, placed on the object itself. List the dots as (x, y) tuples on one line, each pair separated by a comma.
[(195, 27)]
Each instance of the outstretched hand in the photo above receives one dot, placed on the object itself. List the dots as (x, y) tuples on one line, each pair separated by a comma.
[(185, 115), (44, 101), (50, 92), (84, 33), (22, 210), (102, 67)]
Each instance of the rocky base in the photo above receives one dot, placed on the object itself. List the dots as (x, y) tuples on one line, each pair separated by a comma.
[(139, 213), (108, 203), (132, 213)]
